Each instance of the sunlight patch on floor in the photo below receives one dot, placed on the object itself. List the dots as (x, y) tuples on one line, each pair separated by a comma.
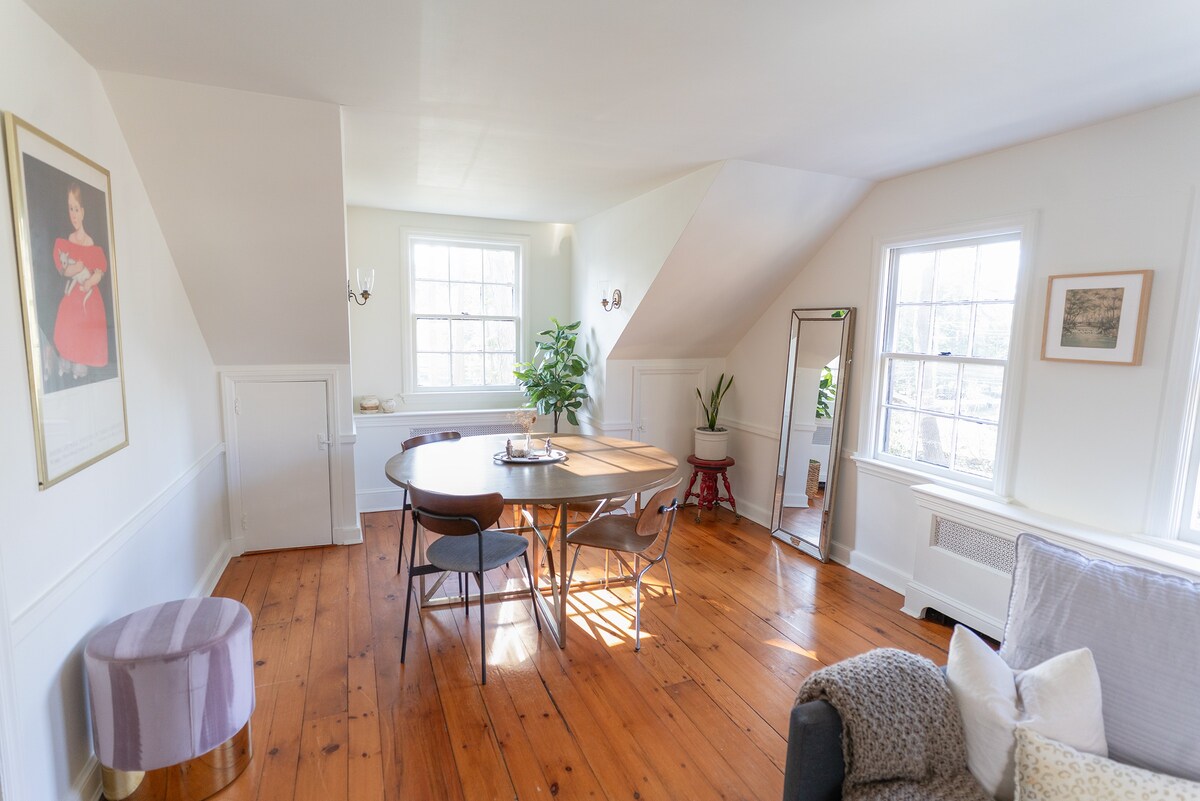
[(607, 615), (791, 647)]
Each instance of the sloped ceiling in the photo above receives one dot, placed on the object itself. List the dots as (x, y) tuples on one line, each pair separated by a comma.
[(553, 111), (754, 228), (248, 192)]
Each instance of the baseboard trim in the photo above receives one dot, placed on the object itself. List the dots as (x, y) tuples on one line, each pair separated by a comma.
[(87, 785), (918, 598), (28, 619), (873, 569), (380, 500), (212, 573), (347, 535), (755, 513)]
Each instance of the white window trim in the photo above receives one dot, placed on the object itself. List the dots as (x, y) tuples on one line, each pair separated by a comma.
[(1177, 433), (1000, 488), (408, 325)]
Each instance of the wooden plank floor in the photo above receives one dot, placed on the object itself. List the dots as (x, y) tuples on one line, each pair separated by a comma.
[(701, 712)]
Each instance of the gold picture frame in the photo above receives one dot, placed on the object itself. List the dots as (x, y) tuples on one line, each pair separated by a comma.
[(1097, 317), (66, 261)]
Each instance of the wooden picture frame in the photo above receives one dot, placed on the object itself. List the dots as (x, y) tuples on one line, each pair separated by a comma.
[(63, 224), (1097, 317)]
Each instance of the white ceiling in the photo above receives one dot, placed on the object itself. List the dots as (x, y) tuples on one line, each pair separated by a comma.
[(553, 110)]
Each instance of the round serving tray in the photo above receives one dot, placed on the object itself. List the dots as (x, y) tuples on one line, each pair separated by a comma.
[(538, 457)]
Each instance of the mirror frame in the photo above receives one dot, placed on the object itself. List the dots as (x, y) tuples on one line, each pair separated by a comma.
[(820, 550)]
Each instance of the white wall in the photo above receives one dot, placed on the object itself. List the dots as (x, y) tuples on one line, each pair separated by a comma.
[(248, 190), (696, 261), (626, 246), (1113, 196), (141, 526), (378, 330), (736, 252)]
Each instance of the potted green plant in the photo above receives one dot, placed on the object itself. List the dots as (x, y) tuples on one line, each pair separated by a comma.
[(712, 441), (826, 394), (552, 379)]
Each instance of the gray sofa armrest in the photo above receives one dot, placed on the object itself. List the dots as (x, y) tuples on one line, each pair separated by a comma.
[(814, 769)]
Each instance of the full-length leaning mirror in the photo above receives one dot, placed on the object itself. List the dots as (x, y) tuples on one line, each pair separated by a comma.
[(818, 378)]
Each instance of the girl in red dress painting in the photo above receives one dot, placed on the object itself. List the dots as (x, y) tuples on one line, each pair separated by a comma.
[(81, 328)]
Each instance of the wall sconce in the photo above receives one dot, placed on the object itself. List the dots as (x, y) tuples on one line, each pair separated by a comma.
[(609, 302), (364, 288)]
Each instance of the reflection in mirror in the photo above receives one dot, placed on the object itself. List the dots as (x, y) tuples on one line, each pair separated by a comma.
[(819, 355)]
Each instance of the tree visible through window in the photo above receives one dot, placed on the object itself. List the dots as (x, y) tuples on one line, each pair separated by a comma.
[(466, 309), (948, 327)]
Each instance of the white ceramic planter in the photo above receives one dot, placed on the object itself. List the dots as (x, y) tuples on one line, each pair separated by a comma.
[(712, 446)]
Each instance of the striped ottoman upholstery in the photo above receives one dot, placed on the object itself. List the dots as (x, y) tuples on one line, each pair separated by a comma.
[(169, 684)]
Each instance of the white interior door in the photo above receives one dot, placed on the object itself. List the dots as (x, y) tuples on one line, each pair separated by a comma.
[(283, 463), (665, 411)]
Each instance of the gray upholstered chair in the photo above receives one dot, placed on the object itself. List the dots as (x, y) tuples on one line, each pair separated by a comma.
[(465, 546), (641, 536)]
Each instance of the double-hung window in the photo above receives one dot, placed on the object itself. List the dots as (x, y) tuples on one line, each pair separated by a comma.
[(466, 312), (947, 333)]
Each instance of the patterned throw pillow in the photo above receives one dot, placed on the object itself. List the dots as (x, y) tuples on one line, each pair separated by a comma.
[(1050, 771)]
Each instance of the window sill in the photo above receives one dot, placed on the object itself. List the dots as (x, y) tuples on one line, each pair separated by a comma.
[(905, 475), (1009, 519)]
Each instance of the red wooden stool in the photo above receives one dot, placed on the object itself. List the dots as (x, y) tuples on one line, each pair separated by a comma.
[(708, 497)]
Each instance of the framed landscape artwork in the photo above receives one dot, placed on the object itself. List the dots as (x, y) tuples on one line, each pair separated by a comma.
[(1097, 317), (62, 220)]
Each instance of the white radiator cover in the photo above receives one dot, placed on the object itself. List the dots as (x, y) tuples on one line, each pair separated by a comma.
[(467, 430), (974, 544), (966, 549), (380, 436), (963, 566)]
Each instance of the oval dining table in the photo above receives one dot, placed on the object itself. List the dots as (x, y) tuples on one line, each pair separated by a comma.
[(595, 468)]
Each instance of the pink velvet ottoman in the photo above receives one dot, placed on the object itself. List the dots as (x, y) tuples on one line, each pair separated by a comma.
[(172, 691)]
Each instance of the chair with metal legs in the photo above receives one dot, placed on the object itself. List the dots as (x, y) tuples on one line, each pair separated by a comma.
[(633, 535), (594, 509), (465, 546), (406, 507)]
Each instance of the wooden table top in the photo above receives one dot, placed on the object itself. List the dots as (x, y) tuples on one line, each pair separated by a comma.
[(596, 467)]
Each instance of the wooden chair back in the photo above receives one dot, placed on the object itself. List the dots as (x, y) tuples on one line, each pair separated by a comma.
[(659, 513), (425, 439), (455, 515)]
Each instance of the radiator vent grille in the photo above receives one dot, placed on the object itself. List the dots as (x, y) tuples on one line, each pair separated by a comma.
[(976, 545), (466, 431)]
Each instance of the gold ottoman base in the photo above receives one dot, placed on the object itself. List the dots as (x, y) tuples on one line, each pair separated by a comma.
[(188, 781)]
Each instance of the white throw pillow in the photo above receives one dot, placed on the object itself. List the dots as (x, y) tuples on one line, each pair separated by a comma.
[(1060, 699), (1051, 771)]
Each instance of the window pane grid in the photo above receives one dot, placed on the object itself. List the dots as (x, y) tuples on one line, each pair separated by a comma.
[(949, 323), (465, 313)]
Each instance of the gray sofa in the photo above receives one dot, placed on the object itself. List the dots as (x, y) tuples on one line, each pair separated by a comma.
[(1143, 629)]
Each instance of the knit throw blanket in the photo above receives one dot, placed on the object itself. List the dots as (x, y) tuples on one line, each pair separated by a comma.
[(902, 735)]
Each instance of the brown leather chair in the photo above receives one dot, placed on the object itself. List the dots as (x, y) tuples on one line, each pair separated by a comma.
[(406, 507), (641, 535), (466, 546)]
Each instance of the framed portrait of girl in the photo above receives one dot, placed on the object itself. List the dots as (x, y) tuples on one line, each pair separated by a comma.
[(62, 220)]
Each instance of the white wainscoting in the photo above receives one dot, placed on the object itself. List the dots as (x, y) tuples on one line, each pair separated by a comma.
[(963, 564), (756, 449), (621, 429), (380, 436), (176, 546)]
